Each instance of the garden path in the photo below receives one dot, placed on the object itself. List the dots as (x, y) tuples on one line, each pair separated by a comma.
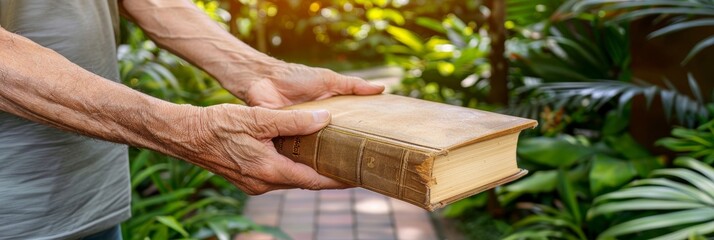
[(349, 214)]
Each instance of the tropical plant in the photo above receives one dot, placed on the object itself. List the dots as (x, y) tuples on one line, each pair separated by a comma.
[(675, 203), (581, 63), (696, 143), (450, 66), (548, 222), (172, 199), (595, 94), (154, 71), (568, 173), (680, 15)]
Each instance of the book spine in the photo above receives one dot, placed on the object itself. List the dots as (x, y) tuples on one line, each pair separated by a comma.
[(383, 166)]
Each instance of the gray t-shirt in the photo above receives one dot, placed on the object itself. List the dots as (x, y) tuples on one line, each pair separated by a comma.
[(55, 184)]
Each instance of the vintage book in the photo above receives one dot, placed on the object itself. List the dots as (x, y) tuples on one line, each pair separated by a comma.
[(425, 153)]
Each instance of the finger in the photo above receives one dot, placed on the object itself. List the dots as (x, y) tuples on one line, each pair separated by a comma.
[(254, 186), (302, 176), (353, 85), (272, 123)]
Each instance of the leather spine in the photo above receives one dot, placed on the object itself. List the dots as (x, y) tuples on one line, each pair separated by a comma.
[(387, 166)]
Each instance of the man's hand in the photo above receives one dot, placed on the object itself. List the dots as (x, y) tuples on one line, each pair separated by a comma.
[(231, 140), (290, 84), (235, 141), (258, 79)]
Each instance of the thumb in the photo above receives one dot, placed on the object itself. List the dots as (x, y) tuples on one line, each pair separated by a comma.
[(273, 123)]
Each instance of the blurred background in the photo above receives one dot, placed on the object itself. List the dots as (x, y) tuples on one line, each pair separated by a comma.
[(622, 90)]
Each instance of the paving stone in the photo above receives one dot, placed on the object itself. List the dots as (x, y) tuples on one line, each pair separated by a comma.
[(400, 206), (335, 206), (372, 205), (422, 230), (335, 194), (297, 228), (338, 215), (300, 195), (335, 234), (335, 219), (302, 236), (374, 220), (376, 233), (254, 236)]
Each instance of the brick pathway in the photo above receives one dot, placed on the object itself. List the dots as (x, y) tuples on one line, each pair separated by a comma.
[(338, 215)]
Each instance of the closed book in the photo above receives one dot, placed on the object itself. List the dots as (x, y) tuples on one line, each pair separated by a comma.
[(425, 153)]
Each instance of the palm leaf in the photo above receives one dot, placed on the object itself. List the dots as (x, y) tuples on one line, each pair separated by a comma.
[(629, 10), (667, 198), (660, 221), (600, 93)]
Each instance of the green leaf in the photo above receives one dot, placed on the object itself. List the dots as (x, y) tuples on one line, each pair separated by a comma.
[(707, 42), (430, 24), (704, 169), (540, 181), (139, 161), (645, 166), (276, 232), (445, 68), (173, 224), (609, 173), (567, 194), (141, 176), (650, 192), (463, 206), (704, 228), (687, 189), (659, 221), (642, 204), (627, 146), (553, 152), (681, 26), (406, 37), (664, 10), (163, 198), (695, 179), (220, 230), (542, 219)]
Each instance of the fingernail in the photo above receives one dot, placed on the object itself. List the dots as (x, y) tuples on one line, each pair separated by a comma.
[(321, 116)]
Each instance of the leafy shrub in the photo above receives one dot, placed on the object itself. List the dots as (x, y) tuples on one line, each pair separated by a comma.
[(676, 203)]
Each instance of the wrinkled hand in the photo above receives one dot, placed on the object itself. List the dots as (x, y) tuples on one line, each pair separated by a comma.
[(235, 141), (286, 84)]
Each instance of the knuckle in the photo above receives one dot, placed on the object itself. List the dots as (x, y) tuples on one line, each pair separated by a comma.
[(259, 122)]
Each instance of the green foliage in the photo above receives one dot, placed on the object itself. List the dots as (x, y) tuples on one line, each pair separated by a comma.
[(172, 199), (597, 179), (697, 143), (450, 66), (594, 95), (549, 222), (154, 71), (681, 14), (575, 170), (680, 201)]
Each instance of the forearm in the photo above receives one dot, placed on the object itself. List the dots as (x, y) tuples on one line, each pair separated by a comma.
[(184, 30), (41, 85)]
